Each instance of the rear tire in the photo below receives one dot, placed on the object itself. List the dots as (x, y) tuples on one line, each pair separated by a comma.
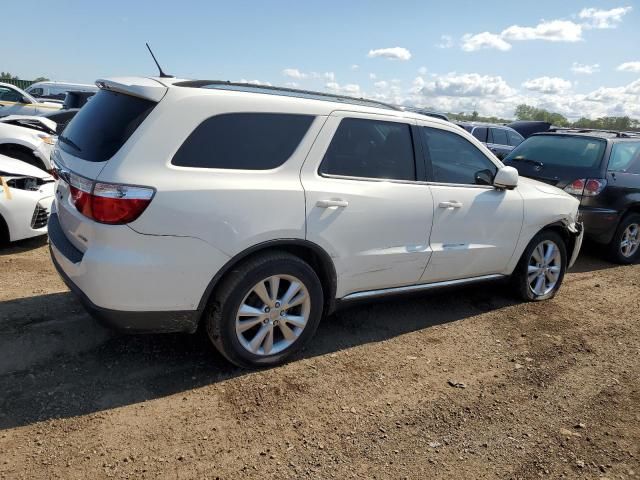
[(265, 310), (541, 268), (625, 245)]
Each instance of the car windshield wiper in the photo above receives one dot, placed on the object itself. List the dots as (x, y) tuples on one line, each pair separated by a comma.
[(68, 141), (526, 160)]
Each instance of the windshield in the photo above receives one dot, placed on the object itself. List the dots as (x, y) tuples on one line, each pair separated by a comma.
[(561, 150), (103, 125)]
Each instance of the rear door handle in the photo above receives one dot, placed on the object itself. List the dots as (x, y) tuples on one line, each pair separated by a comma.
[(332, 203), (451, 204)]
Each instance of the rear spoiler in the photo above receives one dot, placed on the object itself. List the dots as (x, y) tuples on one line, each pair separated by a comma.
[(141, 87)]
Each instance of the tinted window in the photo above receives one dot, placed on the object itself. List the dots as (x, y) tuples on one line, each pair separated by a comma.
[(456, 160), (99, 130), (370, 149), (36, 92), (9, 95), (625, 157), (499, 136), (481, 134), (245, 141), (515, 138), (468, 128), (561, 150)]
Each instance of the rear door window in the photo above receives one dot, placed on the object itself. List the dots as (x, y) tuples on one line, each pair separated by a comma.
[(481, 134), (499, 136), (625, 157), (244, 141), (371, 149), (100, 128)]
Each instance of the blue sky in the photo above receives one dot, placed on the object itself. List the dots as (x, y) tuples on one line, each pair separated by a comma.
[(576, 57)]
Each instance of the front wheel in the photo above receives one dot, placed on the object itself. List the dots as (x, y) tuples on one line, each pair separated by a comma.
[(541, 269), (266, 310)]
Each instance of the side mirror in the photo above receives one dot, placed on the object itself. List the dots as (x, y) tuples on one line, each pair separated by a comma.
[(507, 177)]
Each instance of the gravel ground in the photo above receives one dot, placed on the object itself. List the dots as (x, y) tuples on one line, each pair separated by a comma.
[(466, 383)]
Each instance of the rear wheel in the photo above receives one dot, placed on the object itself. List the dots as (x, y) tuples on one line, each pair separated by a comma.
[(265, 311), (625, 246), (541, 269)]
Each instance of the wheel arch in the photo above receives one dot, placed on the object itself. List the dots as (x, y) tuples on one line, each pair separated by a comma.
[(308, 251), (5, 234), (7, 147), (562, 229)]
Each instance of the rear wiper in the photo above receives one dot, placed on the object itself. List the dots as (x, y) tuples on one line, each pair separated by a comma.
[(526, 160), (68, 141)]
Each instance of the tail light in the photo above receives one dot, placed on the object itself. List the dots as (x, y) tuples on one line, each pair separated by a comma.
[(110, 203), (588, 187)]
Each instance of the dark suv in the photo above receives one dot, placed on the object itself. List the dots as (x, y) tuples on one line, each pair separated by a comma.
[(499, 139), (601, 169)]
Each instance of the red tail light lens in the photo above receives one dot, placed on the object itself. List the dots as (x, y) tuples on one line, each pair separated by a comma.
[(588, 187), (110, 203)]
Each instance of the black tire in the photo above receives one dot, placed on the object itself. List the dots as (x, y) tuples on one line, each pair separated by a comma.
[(220, 316), (520, 276), (615, 250), (24, 156), (4, 233)]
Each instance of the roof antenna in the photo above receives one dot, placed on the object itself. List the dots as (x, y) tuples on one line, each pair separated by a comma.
[(162, 74)]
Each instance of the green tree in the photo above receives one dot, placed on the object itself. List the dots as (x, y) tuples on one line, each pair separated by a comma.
[(7, 76), (41, 79)]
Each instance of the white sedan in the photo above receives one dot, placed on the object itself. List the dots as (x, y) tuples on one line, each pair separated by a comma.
[(26, 193), (15, 101)]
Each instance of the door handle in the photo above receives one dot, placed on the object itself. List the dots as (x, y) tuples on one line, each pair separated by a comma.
[(331, 203), (452, 204)]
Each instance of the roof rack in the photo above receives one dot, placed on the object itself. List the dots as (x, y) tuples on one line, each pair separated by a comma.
[(615, 133), (289, 92)]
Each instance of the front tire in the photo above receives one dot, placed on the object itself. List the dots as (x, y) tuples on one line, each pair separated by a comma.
[(541, 269), (625, 245), (265, 311)]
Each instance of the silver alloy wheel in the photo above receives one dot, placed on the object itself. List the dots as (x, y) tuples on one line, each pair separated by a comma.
[(630, 240), (545, 265), (273, 315)]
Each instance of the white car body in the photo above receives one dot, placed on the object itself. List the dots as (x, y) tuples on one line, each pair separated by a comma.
[(15, 101), (26, 194), (36, 141), (57, 90), (378, 236)]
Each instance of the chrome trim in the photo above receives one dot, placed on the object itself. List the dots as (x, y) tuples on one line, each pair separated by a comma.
[(418, 288)]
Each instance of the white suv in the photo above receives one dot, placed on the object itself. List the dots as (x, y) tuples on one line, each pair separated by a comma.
[(258, 210)]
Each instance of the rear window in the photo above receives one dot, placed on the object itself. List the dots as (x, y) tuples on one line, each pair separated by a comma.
[(105, 123), (245, 141), (560, 150)]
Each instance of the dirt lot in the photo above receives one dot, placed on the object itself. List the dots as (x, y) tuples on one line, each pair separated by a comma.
[(550, 390)]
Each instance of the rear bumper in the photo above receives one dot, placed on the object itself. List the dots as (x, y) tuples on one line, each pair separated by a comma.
[(133, 286), (600, 223)]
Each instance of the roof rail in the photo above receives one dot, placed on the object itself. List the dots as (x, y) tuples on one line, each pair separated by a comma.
[(615, 133), (285, 91)]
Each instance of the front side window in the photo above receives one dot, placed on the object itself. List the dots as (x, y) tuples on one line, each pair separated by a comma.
[(244, 141), (515, 138), (370, 149), (625, 157), (9, 95), (499, 136), (456, 160), (481, 134), (36, 92)]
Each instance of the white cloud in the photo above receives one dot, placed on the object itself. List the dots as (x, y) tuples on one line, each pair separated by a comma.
[(467, 85), (294, 73), (355, 67), (381, 84), (351, 89), (394, 53), (629, 67), (292, 84), (553, 31), (596, 18), (372, 76), (471, 43), (254, 82), (446, 41), (329, 76), (422, 70), (579, 68), (547, 85)]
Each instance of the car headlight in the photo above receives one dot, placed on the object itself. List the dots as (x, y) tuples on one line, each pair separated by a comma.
[(48, 139)]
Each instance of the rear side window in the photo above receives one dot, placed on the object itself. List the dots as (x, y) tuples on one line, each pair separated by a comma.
[(456, 160), (560, 150), (499, 136), (99, 129), (245, 141), (371, 149), (481, 134), (625, 157)]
